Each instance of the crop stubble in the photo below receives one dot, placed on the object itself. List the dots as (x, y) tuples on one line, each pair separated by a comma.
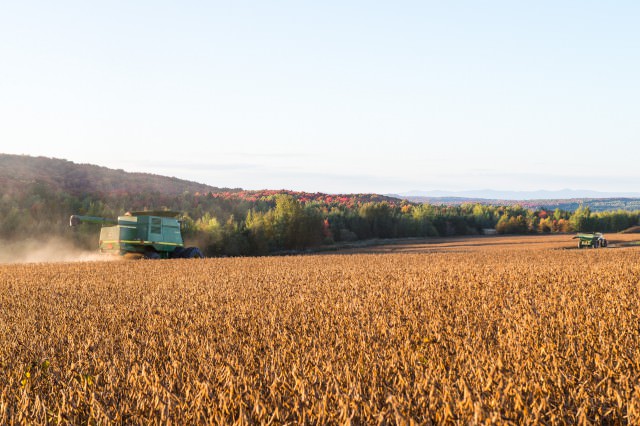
[(486, 336)]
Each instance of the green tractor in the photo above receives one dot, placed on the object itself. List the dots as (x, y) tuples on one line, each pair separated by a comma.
[(593, 240), (145, 234)]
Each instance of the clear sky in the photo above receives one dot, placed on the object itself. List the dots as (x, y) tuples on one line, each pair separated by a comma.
[(332, 96)]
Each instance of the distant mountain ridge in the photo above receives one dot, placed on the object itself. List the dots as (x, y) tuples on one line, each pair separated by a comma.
[(491, 194), (565, 199), (594, 204), (18, 172)]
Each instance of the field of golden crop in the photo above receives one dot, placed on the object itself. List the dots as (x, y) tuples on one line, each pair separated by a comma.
[(486, 336)]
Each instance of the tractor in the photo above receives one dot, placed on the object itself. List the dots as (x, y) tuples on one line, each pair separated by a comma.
[(593, 240), (143, 234)]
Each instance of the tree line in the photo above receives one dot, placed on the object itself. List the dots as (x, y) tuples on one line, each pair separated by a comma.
[(280, 222)]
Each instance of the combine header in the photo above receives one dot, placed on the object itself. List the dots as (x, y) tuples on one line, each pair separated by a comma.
[(593, 240), (146, 234)]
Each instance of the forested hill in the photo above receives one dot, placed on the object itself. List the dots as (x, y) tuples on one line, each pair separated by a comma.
[(18, 173), (37, 196), (23, 175)]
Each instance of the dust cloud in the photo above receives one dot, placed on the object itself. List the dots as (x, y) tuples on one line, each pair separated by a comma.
[(45, 251)]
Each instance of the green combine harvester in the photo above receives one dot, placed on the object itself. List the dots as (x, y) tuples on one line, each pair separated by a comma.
[(145, 234), (592, 240)]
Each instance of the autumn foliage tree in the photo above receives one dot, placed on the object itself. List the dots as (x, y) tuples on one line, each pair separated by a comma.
[(288, 226)]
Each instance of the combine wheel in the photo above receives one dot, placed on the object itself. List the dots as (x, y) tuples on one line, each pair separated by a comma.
[(177, 253), (150, 254), (192, 253), (604, 243), (186, 253)]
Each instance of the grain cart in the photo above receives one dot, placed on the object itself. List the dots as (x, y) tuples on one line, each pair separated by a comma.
[(145, 234), (593, 240)]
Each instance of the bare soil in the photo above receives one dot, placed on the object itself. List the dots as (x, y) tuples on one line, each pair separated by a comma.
[(486, 242)]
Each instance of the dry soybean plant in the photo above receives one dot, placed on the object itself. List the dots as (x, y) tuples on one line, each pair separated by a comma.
[(519, 337)]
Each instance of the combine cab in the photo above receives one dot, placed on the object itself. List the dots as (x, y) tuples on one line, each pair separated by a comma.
[(147, 234), (593, 240)]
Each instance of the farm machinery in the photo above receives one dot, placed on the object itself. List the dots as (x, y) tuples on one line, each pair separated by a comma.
[(144, 234), (593, 240)]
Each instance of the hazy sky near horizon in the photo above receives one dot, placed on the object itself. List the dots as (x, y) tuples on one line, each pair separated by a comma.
[(334, 96)]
